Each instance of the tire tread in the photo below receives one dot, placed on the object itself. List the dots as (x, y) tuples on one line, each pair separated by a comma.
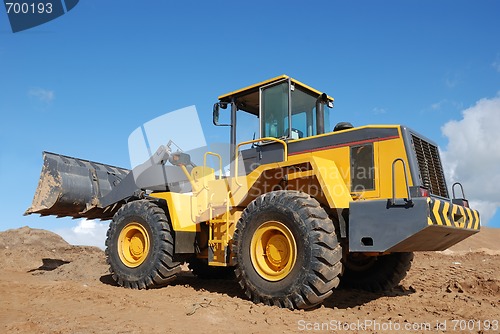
[(164, 269), (324, 269)]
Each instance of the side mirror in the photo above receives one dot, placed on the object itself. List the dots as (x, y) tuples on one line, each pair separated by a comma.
[(215, 117)]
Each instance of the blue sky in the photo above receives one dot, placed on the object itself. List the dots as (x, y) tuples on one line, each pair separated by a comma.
[(79, 85)]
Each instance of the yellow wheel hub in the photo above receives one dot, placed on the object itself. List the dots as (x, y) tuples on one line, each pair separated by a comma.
[(273, 251), (133, 245)]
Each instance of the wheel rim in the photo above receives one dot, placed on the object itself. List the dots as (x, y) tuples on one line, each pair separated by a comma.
[(273, 251), (133, 245)]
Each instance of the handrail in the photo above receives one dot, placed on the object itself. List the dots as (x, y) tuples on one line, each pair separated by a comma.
[(215, 155), (408, 200), (205, 166), (453, 189), (282, 142)]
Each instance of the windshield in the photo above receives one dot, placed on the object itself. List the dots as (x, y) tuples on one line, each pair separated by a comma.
[(275, 110), (304, 114)]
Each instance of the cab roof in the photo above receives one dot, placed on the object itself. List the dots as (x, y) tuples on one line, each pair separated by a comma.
[(247, 98)]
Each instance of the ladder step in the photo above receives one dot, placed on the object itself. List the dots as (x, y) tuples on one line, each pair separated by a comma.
[(217, 264), (217, 221)]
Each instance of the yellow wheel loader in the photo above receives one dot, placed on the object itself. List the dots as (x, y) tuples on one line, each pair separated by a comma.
[(306, 207)]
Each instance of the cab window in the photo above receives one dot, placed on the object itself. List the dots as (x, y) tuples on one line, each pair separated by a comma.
[(275, 110), (362, 168), (274, 106)]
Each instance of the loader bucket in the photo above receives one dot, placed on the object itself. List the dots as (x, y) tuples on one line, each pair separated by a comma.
[(71, 187)]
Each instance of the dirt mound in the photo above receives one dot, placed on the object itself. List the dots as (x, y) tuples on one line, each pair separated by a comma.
[(49, 286), (486, 239), (45, 253), (30, 238)]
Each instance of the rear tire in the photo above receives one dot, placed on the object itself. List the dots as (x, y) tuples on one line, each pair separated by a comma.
[(201, 269), (140, 246), (287, 251), (375, 273)]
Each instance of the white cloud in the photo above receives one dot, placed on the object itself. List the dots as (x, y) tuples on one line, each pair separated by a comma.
[(472, 155), (444, 105), (43, 95), (453, 79), (379, 111), (496, 63), (438, 105), (86, 232)]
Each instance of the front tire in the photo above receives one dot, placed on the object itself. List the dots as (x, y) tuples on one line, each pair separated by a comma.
[(140, 246), (287, 251)]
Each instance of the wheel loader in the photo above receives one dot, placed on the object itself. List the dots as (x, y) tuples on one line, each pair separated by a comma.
[(305, 207)]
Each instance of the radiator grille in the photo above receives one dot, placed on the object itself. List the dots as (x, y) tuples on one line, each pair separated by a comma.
[(431, 170)]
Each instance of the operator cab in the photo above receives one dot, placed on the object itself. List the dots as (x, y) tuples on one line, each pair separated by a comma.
[(287, 109)]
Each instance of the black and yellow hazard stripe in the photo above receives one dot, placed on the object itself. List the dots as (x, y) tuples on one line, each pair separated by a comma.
[(448, 214)]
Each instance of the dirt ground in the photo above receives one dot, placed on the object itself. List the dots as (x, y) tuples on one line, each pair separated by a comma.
[(49, 286)]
